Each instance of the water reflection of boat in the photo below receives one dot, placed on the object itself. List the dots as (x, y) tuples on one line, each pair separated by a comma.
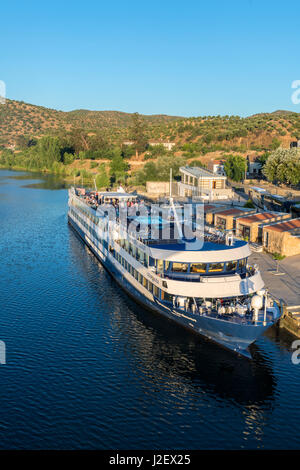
[(163, 349)]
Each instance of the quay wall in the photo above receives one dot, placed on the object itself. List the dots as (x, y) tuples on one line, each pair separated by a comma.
[(290, 323)]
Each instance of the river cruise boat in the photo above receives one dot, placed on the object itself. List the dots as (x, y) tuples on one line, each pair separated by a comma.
[(209, 288)]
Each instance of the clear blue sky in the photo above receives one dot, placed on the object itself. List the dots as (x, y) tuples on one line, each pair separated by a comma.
[(183, 58)]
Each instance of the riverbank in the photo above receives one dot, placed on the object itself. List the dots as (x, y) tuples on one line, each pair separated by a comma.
[(66, 178)]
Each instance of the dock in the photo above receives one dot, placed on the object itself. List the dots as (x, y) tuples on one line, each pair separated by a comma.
[(283, 282)]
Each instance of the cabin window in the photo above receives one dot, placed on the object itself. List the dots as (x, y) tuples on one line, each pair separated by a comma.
[(145, 283), (140, 278), (198, 268), (150, 286), (151, 261), (231, 266), (133, 247), (242, 263), (215, 267), (156, 291), (136, 274), (167, 264), (166, 296), (159, 266), (180, 267), (126, 245), (141, 256)]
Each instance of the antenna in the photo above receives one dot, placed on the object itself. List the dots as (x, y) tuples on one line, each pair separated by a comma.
[(95, 185)]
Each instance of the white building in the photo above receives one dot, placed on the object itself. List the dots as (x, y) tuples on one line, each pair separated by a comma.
[(217, 167), (167, 145), (196, 181)]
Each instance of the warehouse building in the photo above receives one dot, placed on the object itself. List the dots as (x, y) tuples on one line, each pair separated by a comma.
[(251, 227), (226, 219), (282, 237)]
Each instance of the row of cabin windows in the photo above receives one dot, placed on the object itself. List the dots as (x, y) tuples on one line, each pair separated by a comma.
[(163, 266), (135, 252), (102, 241), (137, 275), (156, 291), (202, 268), (87, 213)]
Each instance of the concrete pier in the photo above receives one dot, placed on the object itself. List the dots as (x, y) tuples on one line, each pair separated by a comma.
[(290, 321), (283, 282)]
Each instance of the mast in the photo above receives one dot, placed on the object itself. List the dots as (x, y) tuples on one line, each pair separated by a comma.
[(173, 207)]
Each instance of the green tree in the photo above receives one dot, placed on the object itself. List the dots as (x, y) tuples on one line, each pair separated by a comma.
[(78, 139), (118, 167), (235, 167), (275, 144), (262, 159), (47, 151), (137, 134), (68, 158), (102, 179), (283, 166)]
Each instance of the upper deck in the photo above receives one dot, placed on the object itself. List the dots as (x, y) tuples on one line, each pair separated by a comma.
[(208, 245), (195, 246), (200, 251)]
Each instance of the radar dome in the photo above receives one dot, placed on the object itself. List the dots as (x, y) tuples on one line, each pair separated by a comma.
[(256, 302)]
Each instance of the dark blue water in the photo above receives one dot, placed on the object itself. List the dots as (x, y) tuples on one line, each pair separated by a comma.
[(87, 368)]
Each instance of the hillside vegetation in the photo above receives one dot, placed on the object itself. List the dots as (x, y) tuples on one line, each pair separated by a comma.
[(194, 134), (87, 144), (18, 119)]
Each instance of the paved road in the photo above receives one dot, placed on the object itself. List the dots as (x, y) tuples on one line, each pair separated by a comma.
[(285, 286)]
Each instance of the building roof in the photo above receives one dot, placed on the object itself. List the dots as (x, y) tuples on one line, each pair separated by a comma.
[(199, 172), (117, 195), (259, 217), (259, 190), (213, 208), (159, 141), (233, 211), (287, 226)]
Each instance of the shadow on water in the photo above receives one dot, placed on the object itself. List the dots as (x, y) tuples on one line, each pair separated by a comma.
[(282, 338), (166, 348)]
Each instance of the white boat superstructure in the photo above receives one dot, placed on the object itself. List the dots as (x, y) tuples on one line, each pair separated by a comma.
[(209, 287)]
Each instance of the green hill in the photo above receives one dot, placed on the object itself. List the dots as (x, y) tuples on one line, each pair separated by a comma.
[(193, 135), (19, 118)]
